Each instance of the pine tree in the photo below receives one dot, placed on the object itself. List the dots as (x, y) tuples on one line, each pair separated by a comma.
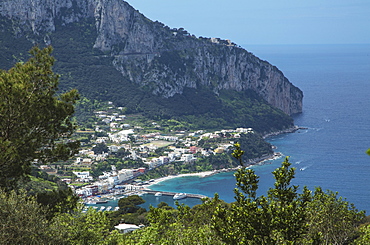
[(35, 121)]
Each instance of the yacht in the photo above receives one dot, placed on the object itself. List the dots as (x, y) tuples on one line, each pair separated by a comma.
[(179, 196), (158, 194)]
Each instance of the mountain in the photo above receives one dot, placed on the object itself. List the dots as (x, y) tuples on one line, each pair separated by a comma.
[(110, 51)]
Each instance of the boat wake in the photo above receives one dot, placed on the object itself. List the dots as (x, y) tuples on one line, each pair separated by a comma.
[(304, 168)]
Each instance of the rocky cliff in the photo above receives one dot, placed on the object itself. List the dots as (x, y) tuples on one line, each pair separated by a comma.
[(158, 59)]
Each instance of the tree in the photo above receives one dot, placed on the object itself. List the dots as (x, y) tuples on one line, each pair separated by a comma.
[(179, 226), (23, 221), (284, 216), (35, 121), (332, 220), (364, 238), (122, 153), (130, 204), (100, 148), (91, 227), (278, 218), (58, 201)]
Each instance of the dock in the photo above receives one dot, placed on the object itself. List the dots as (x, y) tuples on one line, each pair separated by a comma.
[(166, 193)]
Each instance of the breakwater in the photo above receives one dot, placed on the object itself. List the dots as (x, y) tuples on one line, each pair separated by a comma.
[(167, 193)]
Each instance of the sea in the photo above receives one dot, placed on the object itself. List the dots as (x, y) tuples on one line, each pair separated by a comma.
[(331, 151)]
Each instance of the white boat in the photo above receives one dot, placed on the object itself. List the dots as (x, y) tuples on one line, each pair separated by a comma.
[(158, 194), (179, 196)]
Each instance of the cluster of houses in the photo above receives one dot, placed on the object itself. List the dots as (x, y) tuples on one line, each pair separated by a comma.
[(108, 181), (119, 136)]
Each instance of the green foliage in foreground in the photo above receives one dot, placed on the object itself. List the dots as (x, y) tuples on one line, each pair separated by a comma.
[(284, 216), (179, 226), (24, 221), (35, 122)]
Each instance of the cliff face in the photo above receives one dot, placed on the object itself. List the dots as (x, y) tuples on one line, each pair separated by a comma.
[(153, 56)]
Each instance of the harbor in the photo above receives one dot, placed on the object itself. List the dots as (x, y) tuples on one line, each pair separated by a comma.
[(150, 197), (166, 193)]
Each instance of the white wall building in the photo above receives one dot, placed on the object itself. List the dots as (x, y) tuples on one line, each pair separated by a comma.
[(187, 158), (125, 174), (121, 136), (124, 228)]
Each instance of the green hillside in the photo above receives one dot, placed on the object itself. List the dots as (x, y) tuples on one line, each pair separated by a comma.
[(92, 73)]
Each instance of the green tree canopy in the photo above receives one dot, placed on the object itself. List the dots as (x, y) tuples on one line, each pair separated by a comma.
[(35, 121), (284, 216), (100, 148), (130, 204), (23, 221)]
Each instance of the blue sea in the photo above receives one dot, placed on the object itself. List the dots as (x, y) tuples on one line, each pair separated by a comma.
[(330, 153)]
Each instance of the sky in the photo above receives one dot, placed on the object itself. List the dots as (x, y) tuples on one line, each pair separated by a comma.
[(265, 22)]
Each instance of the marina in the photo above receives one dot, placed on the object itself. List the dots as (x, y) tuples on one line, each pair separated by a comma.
[(109, 202), (167, 193)]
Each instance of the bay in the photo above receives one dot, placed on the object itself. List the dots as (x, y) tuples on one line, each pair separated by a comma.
[(335, 80)]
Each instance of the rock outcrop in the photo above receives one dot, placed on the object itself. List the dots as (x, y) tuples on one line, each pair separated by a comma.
[(151, 55)]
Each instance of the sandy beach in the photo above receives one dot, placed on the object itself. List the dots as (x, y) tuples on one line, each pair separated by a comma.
[(201, 175), (276, 155)]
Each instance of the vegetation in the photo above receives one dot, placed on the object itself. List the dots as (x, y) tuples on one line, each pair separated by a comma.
[(35, 121), (284, 216), (51, 215), (92, 73)]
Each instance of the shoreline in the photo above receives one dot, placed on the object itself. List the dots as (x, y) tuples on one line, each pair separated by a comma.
[(285, 131), (200, 175), (252, 162)]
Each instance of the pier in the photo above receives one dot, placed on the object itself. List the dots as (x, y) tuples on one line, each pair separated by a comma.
[(166, 193)]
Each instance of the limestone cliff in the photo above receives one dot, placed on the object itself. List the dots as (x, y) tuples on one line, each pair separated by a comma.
[(165, 61)]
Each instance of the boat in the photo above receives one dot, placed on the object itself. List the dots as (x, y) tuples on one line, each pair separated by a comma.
[(101, 202), (179, 196), (158, 194)]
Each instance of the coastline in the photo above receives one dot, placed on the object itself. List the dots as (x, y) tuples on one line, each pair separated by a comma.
[(285, 131), (200, 175), (252, 162), (258, 161)]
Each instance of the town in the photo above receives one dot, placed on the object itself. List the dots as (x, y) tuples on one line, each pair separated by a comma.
[(116, 138)]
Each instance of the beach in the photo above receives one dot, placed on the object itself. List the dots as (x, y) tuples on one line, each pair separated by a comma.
[(259, 161), (200, 174)]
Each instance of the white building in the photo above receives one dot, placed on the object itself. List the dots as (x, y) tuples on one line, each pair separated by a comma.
[(121, 136), (125, 174), (113, 180), (244, 130), (187, 158), (82, 175), (124, 228)]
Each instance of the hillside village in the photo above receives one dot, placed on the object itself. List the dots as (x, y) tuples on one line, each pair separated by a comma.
[(115, 132)]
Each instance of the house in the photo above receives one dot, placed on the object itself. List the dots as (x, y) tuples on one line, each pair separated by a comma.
[(125, 174), (124, 228), (87, 161), (194, 149), (219, 150), (244, 130), (83, 175), (121, 136), (113, 180), (187, 158)]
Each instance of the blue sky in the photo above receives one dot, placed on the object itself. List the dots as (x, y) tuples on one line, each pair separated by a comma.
[(266, 21)]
